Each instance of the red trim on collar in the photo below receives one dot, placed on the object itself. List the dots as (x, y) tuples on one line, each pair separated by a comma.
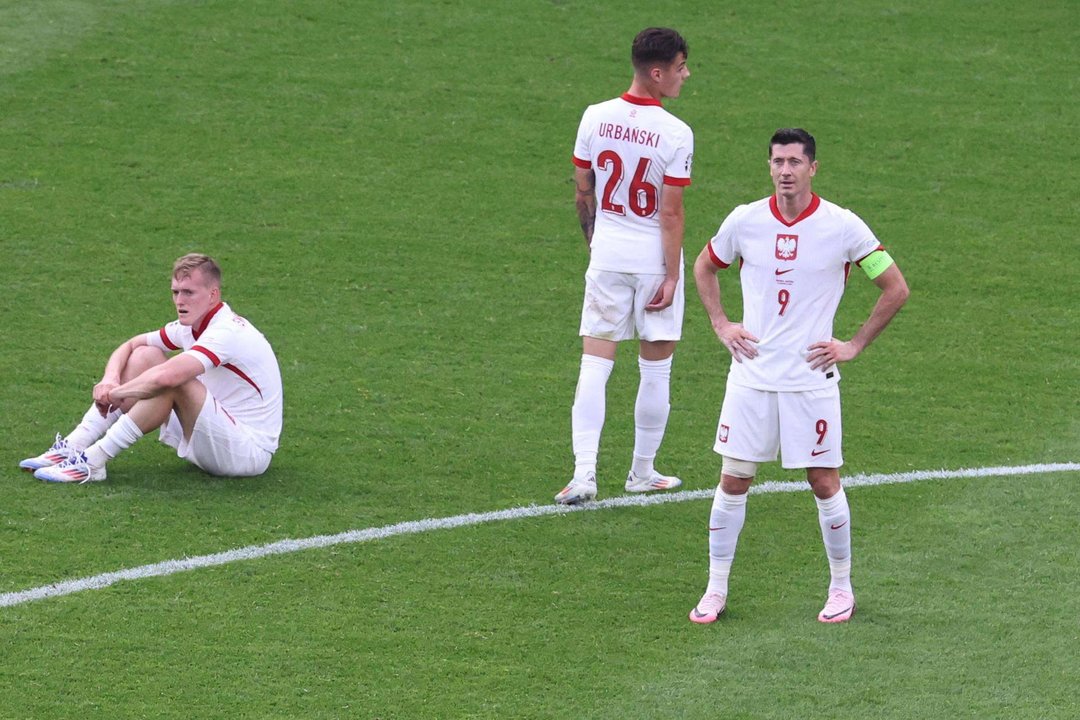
[(635, 100), (815, 202), (196, 332)]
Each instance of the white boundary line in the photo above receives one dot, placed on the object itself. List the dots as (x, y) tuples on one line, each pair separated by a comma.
[(253, 552)]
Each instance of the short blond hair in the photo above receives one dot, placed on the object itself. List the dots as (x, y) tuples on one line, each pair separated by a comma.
[(186, 265)]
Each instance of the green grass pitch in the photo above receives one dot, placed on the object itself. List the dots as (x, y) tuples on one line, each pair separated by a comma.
[(388, 188)]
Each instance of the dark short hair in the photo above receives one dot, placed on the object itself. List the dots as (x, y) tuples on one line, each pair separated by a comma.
[(657, 45), (789, 136)]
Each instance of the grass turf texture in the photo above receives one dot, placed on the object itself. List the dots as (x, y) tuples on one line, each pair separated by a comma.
[(388, 190)]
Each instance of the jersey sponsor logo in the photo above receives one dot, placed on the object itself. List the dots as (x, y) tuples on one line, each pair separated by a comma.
[(629, 134), (787, 246), (815, 453), (724, 429)]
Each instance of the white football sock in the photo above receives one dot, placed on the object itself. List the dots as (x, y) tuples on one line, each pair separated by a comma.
[(587, 415), (725, 523), (123, 434), (834, 516), (91, 428), (651, 413)]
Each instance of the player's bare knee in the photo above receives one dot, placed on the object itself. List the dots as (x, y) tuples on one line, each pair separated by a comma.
[(824, 482), (141, 359)]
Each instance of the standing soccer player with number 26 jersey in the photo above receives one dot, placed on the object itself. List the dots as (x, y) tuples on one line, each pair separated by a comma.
[(632, 162), (794, 251)]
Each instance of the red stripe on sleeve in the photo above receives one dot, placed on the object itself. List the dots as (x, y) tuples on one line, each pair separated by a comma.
[(583, 164), (165, 339), (208, 353), (668, 180), (716, 261)]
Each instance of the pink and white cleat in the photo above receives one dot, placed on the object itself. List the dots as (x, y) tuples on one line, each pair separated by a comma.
[(709, 608), (839, 607), (578, 491), (55, 455), (656, 481), (76, 469)]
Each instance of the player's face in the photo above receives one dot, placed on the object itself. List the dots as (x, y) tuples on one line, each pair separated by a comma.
[(194, 296), (791, 170), (671, 78)]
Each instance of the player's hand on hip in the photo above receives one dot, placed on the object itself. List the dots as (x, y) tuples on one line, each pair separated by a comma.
[(825, 354), (664, 296), (740, 342)]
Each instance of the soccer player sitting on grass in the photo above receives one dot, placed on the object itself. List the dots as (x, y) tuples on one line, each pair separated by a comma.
[(217, 402)]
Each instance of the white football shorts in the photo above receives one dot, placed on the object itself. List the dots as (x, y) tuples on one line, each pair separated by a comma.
[(803, 426), (219, 444), (614, 307)]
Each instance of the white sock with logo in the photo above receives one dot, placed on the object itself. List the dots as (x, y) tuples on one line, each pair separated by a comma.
[(834, 516), (725, 523), (587, 415), (651, 412)]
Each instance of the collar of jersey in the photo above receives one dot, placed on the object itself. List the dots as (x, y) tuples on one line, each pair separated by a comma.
[(815, 201), (196, 332), (635, 100)]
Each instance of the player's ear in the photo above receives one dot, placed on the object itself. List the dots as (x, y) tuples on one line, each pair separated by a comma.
[(813, 168)]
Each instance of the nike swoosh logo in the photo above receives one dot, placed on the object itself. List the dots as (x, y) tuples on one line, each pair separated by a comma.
[(719, 528), (815, 453), (837, 527), (781, 272)]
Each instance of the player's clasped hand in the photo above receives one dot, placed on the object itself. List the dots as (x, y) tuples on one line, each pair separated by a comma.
[(825, 354), (738, 340), (101, 397)]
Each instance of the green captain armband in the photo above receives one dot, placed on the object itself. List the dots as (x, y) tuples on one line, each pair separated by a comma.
[(876, 263)]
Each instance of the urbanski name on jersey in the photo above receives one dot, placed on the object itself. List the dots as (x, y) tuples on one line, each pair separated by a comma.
[(629, 134)]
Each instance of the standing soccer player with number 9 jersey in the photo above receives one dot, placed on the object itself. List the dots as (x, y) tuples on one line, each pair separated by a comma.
[(632, 162), (794, 251)]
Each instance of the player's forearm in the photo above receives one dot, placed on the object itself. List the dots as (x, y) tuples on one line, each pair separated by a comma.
[(885, 309), (672, 224), (117, 361), (147, 385), (586, 210), (585, 201), (708, 288)]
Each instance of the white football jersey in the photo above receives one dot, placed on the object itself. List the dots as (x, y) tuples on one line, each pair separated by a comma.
[(635, 147), (241, 369), (793, 276)]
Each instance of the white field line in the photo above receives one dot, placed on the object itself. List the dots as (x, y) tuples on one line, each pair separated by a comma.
[(253, 552)]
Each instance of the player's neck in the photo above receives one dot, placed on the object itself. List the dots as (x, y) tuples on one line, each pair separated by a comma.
[(792, 206), (642, 90)]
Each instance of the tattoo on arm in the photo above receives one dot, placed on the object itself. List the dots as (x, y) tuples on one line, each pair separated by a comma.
[(585, 200)]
